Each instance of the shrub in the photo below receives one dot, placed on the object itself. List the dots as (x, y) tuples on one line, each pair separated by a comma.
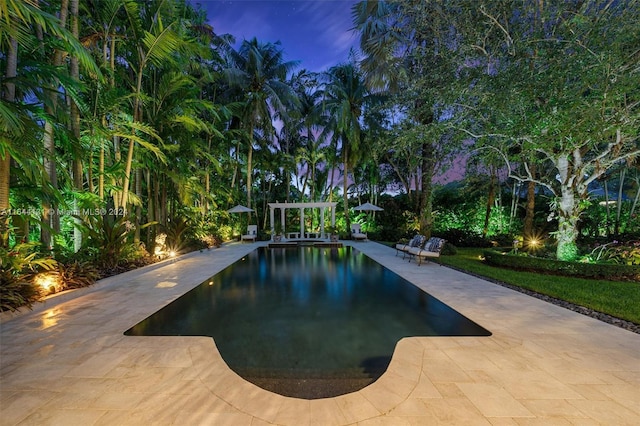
[(105, 238), (76, 274), (502, 240), (18, 268), (465, 238), (448, 249), (558, 267), (616, 252)]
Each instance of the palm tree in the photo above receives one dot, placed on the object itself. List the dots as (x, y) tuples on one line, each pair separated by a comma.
[(154, 44), (345, 95), (260, 72), (385, 39), (305, 124), (19, 20)]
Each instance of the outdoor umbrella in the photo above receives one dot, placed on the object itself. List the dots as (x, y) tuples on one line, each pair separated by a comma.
[(239, 209), (368, 207)]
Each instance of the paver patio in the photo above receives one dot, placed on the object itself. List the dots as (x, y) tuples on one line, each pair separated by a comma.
[(67, 362)]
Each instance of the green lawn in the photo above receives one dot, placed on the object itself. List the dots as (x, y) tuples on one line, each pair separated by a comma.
[(619, 299)]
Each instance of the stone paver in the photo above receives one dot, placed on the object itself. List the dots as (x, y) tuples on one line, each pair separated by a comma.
[(68, 362)]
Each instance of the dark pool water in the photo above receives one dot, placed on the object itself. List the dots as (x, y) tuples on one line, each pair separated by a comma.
[(307, 322)]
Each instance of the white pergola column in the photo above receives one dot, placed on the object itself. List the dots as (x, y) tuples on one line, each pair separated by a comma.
[(310, 205), (282, 220), (322, 209), (271, 220), (333, 216)]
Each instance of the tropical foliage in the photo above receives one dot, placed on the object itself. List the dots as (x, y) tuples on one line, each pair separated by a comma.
[(128, 128)]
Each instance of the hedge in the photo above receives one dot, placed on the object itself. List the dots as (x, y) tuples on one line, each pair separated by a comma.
[(557, 267)]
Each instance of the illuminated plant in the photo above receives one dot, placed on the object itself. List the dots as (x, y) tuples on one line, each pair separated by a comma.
[(18, 267)]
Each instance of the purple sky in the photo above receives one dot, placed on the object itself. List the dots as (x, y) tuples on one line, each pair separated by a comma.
[(315, 32)]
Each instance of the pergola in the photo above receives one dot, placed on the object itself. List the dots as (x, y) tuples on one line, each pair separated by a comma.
[(301, 206)]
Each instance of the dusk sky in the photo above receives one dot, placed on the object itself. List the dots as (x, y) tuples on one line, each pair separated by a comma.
[(315, 32)]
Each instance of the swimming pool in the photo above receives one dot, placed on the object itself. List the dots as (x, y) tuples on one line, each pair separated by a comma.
[(307, 322)]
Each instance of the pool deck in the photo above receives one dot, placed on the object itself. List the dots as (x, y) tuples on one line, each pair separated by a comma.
[(67, 362)]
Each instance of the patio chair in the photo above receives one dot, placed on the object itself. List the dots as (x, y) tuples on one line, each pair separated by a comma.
[(356, 232), (403, 247), (252, 234), (430, 250)]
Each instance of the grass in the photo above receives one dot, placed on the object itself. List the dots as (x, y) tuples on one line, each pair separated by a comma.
[(619, 299)]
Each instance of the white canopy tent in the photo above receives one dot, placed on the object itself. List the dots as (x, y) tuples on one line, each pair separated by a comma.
[(302, 206)]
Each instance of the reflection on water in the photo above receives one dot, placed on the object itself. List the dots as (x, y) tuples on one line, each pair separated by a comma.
[(307, 322)]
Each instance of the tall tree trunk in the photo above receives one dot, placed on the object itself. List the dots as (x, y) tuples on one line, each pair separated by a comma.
[(5, 157), (528, 230), (634, 204), (129, 163), (607, 208), (568, 213), (75, 127), (250, 165), (50, 217), (234, 175), (101, 172), (424, 189), (345, 185), (616, 229), (490, 200), (151, 217), (207, 189), (49, 214), (138, 219), (117, 157)]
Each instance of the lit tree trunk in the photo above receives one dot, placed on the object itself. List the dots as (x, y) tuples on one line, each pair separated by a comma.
[(5, 157), (50, 217), (616, 230), (607, 208), (151, 205), (101, 172), (75, 127), (138, 219), (568, 213), (528, 231), (136, 118), (490, 200)]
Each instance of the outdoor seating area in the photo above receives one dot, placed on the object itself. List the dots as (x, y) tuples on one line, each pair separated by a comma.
[(421, 248)]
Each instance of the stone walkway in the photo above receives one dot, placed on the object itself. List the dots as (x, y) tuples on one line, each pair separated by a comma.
[(67, 362)]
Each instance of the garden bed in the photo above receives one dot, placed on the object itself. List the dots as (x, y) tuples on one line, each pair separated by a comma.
[(605, 271)]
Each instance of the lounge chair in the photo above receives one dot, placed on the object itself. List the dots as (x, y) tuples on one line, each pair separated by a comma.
[(416, 241), (431, 250), (356, 232), (251, 235)]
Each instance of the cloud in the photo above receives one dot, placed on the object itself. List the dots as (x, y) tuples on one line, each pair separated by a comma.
[(317, 32), (244, 26)]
